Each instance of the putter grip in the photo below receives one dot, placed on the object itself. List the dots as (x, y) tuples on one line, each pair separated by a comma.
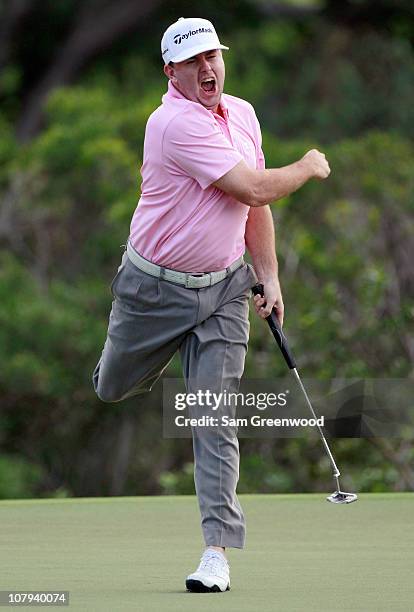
[(277, 331)]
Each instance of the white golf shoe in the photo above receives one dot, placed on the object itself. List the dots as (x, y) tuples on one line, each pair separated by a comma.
[(212, 575)]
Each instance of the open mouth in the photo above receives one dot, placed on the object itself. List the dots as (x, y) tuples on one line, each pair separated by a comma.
[(208, 85)]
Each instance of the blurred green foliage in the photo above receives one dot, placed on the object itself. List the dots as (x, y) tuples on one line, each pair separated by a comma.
[(344, 246), (18, 477)]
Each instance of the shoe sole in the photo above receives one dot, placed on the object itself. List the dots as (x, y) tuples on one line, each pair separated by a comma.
[(196, 586)]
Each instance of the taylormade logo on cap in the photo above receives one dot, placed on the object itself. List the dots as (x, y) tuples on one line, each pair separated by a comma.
[(188, 37), (179, 37)]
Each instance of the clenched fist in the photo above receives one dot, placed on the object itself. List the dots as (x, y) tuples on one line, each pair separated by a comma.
[(316, 164)]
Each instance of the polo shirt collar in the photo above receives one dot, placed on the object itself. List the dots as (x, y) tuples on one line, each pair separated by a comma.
[(173, 92)]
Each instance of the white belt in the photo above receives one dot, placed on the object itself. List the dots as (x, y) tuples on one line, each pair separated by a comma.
[(188, 279)]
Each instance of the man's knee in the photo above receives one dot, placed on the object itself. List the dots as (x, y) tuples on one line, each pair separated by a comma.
[(112, 386), (107, 393), (109, 396), (110, 392), (105, 388)]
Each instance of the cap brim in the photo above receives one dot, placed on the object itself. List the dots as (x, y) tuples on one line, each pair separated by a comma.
[(195, 51)]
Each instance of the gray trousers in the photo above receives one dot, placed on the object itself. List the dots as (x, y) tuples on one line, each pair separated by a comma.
[(149, 321)]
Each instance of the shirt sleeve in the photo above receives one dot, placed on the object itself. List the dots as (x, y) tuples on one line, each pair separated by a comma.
[(260, 158), (193, 144), (261, 162)]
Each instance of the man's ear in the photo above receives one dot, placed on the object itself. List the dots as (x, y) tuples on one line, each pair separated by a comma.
[(169, 72)]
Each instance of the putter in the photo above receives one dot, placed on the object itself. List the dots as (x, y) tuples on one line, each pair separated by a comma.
[(338, 497)]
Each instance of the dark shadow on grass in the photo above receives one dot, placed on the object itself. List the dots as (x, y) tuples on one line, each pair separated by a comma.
[(188, 593)]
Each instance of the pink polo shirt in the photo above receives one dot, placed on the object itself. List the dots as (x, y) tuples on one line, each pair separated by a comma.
[(182, 221)]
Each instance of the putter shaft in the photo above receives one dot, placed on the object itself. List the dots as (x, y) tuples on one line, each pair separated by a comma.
[(328, 450), (281, 340)]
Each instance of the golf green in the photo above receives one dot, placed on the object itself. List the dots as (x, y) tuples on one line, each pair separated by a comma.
[(302, 553)]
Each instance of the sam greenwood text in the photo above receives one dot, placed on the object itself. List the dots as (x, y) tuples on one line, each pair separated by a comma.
[(255, 421)]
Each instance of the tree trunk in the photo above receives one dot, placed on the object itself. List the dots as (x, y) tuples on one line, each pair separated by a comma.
[(91, 34)]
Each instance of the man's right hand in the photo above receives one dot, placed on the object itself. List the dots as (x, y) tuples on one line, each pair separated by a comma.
[(315, 163), (259, 187)]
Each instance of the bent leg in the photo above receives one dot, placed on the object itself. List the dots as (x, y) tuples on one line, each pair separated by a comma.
[(148, 321)]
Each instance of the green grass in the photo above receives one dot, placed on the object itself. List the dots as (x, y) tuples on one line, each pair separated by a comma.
[(120, 554)]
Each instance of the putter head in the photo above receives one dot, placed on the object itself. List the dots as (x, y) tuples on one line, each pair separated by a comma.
[(339, 497)]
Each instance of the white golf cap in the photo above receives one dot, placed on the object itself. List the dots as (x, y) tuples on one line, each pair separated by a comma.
[(188, 37)]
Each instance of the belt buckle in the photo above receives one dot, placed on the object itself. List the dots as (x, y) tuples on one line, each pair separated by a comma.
[(191, 280)]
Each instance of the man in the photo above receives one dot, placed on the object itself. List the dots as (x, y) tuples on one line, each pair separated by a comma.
[(182, 283)]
